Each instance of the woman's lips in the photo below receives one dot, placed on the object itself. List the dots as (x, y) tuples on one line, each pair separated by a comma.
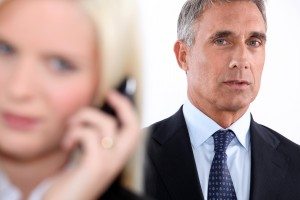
[(18, 122)]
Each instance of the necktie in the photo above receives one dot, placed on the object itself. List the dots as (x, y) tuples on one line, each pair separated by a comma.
[(220, 185)]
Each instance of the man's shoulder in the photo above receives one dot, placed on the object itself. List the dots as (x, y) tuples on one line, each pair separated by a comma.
[(165, 128), (160, 125), (283, 144), (285, 157), (176, 118), (287, 146), (278, 136)]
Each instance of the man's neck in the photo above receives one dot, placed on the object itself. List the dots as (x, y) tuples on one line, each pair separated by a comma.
[(222, 117)]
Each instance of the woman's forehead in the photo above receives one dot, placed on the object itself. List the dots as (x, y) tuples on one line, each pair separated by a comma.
[(51, 24)]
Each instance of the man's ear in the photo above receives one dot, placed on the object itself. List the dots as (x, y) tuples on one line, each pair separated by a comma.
[(181, 53)]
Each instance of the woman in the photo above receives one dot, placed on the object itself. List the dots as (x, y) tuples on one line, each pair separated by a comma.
[(58, 61)]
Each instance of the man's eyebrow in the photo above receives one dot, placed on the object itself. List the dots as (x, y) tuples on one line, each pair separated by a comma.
[(259, 35), (221, 34)]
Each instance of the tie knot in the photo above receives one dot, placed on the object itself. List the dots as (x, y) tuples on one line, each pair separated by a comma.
[(222, 138)]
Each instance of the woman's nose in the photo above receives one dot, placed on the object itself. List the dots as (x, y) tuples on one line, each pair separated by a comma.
[(21, 82)]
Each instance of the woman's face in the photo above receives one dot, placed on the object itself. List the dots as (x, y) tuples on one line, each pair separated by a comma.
[(47, 73)]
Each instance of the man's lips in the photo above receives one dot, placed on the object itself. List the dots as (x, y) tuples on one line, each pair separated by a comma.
[(20, 122), (237, 84)]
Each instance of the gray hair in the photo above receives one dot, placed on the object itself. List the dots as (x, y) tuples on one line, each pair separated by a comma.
[(191, 11)]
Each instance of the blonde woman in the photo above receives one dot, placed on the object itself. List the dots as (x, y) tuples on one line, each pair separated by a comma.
[(59, 60)]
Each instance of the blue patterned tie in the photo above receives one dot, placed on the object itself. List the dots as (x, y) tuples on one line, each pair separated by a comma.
[(220, 185)]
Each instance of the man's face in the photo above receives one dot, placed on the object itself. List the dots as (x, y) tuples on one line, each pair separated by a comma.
[(225, 63)]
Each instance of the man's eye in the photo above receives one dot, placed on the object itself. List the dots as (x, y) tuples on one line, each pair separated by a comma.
[(6, 49), (254, 43), (61, 65), (221, 42)]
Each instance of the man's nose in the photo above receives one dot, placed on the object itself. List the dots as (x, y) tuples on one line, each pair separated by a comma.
[(240, 57)]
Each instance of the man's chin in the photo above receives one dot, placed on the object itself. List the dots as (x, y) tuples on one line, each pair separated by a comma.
[(236, 107)]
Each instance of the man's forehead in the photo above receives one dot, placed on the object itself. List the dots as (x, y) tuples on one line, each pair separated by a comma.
[(232, 17), (228, 33), (210, 3), (227, 9)]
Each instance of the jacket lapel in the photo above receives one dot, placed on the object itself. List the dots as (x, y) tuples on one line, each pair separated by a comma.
[(268, 166), (175, 160)]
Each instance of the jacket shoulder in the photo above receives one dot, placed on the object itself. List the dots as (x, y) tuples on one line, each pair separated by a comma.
[(163, 130), (281, 143), (283, 140)]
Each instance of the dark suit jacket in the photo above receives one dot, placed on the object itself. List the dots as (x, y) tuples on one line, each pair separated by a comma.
[(171, 173), (118, 192)]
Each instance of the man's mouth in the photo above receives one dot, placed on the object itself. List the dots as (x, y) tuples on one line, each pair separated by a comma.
[(237, 84)]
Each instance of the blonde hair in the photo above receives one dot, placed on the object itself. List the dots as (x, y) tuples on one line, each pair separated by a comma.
[(115, 25)]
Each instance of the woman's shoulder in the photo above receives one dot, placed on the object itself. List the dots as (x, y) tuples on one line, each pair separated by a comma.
[(117, 192)]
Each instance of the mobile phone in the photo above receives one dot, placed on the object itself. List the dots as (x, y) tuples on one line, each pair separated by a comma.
[(127, 87)]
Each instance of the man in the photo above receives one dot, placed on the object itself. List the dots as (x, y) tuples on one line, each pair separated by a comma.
[(212, 148)]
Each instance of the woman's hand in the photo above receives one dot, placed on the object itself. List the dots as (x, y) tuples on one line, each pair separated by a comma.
[(105, 148)]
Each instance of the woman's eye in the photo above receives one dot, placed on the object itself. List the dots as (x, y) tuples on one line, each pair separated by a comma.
[(6, 49), (61, 65), (221, 42)]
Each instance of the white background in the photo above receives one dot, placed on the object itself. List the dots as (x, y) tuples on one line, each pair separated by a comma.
[(164, 89)]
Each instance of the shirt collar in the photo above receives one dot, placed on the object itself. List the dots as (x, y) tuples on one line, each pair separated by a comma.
[(201, 127), (10, 191)]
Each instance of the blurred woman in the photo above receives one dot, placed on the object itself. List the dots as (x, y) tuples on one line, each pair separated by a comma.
[(59, 60)]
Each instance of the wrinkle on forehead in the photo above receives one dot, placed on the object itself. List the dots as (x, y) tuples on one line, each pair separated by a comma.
[(219, 3), (215, 19)]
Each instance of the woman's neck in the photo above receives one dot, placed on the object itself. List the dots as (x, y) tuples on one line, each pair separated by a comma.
[(27, 174)]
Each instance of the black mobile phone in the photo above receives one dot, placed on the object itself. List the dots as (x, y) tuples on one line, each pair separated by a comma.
[(127, 87)]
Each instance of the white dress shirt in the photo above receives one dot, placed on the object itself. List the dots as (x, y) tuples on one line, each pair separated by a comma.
[(201, 128), (10, 192)]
